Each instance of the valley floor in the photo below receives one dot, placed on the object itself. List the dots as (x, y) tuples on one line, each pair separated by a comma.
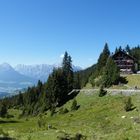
[(98, 118)]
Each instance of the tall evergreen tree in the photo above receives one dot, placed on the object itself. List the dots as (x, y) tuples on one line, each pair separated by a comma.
[(111, 73), (103, 59), (68, 71), (116, 50), (127, 49), (3, 110), (120, 48), (56, 90), (77, 84)]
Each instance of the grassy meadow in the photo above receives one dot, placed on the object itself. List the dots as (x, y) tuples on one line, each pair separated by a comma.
[(97, 118)]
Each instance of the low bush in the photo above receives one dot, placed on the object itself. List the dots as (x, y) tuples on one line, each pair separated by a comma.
[(74, 105), (41, 122), (69, 137), (128, 104), (102, 92), (63, 110)]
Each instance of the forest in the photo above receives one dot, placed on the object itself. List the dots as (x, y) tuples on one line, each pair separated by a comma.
[(55, 91)]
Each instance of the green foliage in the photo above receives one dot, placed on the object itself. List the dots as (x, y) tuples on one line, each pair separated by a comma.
[(102, 92), (51, 94), (98, 72), (41, 122), (135, 52), (52, 110), (102, 59), (63, 110), (111, 73), (83, 76), (74, 105), (128, 104), (57, 92), (68, 72), (96, 81), (3, 133), (69, 137), (3, 110), (77, 84), (127, 49), (29, 138)]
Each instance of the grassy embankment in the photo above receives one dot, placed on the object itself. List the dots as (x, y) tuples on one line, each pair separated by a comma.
[(97, 118)]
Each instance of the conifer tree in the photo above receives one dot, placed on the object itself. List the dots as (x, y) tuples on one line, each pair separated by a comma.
[(56, 92), (3, 110), (120, 48), (127, 49), (111, 73), (103, 59), (68, 72), (116, 50)]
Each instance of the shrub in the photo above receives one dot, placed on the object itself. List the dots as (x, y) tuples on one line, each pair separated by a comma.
[(128, 104), (41, 122), (3, 110), (2, 133), (52, 111), (102, 92), (79, 137), (69, 137), (63, 110), (74, 105), (29, 138)]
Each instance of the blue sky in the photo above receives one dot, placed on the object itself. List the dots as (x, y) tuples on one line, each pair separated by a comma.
[(40, 31)]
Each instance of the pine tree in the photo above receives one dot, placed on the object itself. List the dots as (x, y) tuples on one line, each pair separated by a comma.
[(74, 105), (3, 110), (116, 50), (127, 49), (20, 99), (128, 105), (111, 73), (103, 59), (68, 72), (120, 48), (56, 92), (77, 81)]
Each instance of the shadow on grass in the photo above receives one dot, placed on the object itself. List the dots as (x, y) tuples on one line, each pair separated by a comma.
[(4, 122), (69, 97), (7, 138), (123, 80), (73, 95)]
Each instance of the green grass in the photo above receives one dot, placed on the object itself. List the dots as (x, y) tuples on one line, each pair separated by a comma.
[(133, 80), (97, 118)]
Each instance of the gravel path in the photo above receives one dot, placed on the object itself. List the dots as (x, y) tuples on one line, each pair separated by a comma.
[(110, 91)]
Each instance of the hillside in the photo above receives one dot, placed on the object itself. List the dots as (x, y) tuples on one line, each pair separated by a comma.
[(97, 118), (133, 80)]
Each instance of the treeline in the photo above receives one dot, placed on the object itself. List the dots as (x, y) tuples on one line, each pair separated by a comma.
[(47, 95), (106, 72), (55, 92)]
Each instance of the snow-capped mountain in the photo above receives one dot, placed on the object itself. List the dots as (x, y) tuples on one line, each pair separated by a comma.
[(11, 80), (40, 72), (8, 74), (23, 76)]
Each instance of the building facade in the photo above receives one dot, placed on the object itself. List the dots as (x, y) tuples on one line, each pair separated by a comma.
[(126, 63)]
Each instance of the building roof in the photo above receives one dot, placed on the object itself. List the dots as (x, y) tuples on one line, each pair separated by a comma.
[(123, 52)]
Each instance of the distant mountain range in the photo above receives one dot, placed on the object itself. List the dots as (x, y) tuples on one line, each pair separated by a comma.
[(22, 76), (40, 72)]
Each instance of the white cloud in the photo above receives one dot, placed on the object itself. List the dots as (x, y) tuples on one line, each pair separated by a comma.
[(62, 55)]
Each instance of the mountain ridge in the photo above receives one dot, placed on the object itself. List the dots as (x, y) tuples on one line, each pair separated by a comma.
[(39, 71)]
